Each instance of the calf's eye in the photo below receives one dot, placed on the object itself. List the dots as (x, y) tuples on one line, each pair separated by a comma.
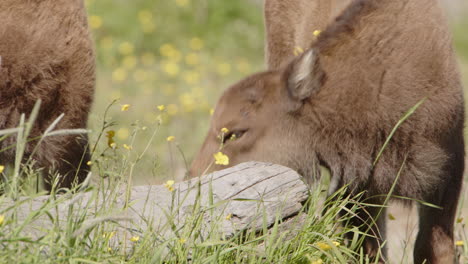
[(233, 135)]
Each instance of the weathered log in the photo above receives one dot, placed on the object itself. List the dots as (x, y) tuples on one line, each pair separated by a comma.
[(248, 196)]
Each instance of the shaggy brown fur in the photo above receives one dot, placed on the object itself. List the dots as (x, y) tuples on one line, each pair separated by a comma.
[(336, 104), (46, 53), (290, 24)]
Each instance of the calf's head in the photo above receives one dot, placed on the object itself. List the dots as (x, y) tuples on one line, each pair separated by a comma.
[(265, 117)]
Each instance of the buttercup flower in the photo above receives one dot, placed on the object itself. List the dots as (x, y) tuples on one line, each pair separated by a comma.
[(169, 185), (125, 107), (459, 243), (161, 107), (135, 238), (170, 138), (221, 159)]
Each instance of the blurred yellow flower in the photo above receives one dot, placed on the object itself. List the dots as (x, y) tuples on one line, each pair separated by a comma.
[(126, 48), (171, 69), (224, 130), (187, 102), (124, 107), (318, 261), (224, 69), (113, 145), (110, 137), (459, 243), (106, 42), (192, 59), (196, 44), (127, 147), (129, 62), (459, 220), (182, 240), (95, 22), (109, 249), (211, 111), (135, 238), (119, 75), (317, 33), (170, 138), (391, 216), (89, 163), (325, 245), (2, 168), (2, 219), (228, 217), (182, 3), (123, 133), (108, 235), (297, 51), (221, 159), (161, 107), (169, 185), (145, 16)]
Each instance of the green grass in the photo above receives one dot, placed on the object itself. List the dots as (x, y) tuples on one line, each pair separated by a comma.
[(181, 54)]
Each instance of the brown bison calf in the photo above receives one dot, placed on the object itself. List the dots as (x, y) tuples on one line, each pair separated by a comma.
[(46, 53), (336, 104)]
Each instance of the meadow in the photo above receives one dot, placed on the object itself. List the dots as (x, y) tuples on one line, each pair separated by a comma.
[(161, 67)]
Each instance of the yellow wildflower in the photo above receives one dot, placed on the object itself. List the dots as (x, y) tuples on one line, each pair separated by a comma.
[(110, 137), (221, 159), (169, 185), (113, 145), (228, 217), (89, 163), (2, 168), (109, 249), (182, 240), (297, 51), (196, 44), (191, 59), (126, 48), (127, 147), (317, 33), (119, 75), (125, 107), (2, 219), (170, 138), (95, 22), (145, 17), (224, 69), (326, 245), (182, 3), (161, 107), (224, 130), (459, 243), (123, 133), (135, 238), (171, 69)]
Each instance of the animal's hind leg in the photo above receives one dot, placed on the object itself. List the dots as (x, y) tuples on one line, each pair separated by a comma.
[(434, 243), (71, 165)]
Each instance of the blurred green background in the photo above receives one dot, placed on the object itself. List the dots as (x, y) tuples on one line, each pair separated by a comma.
[(178, 55)]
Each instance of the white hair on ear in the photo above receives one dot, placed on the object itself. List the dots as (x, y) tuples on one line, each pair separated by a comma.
[(304, 68)]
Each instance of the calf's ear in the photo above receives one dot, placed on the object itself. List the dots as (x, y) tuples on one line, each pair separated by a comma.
[(303, 77)]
